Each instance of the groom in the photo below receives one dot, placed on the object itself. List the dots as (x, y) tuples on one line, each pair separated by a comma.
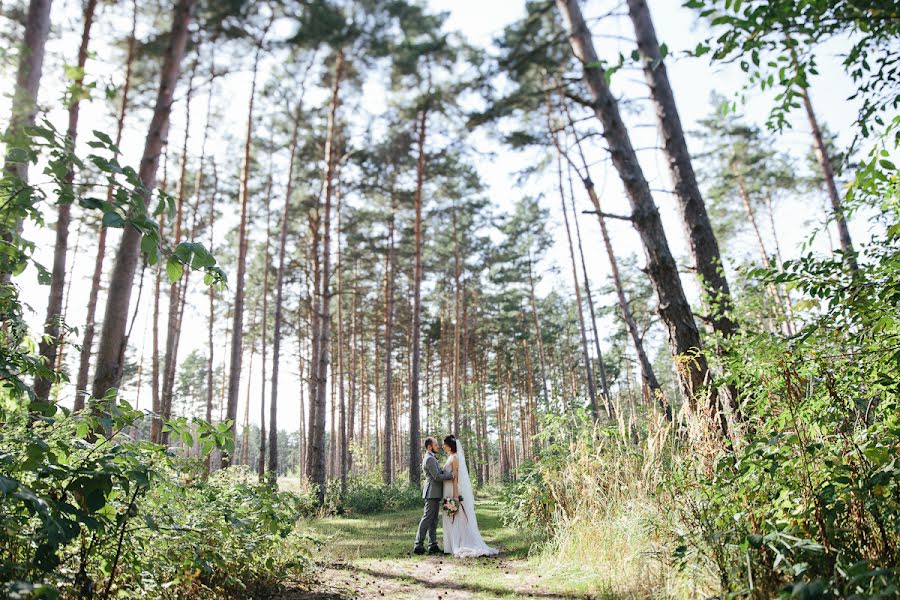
[(432, 494)]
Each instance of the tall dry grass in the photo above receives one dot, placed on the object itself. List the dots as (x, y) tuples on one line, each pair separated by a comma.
[(614, 518)]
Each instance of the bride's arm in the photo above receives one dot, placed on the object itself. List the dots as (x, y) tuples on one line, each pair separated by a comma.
[(455, 478)]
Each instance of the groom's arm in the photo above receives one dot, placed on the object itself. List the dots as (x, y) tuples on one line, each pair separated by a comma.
[(437, 473)]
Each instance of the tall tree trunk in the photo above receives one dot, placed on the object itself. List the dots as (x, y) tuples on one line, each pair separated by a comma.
[(684, 338), (237, 326), (604, 383), (320, 367), (389, 266), (172, 329), (212, 306), (24, 103), (264, 333), (279, 288), (155, 398), (87, 343), (588, 371), (342, 447), (457, 301), (827, 172), (537, 332), (245, 441), (302, 366), (698, 230), (61, 351), (51, 339), (647, 374), (414, 469), (112, 335)]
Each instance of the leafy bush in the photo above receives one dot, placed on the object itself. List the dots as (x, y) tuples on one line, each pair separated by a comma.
[(810, 501), (115, 517), (368, 494)]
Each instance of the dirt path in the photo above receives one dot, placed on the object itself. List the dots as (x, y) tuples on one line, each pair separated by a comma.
[(370, 557)]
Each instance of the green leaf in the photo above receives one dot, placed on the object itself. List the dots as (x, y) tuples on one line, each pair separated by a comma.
[(113, 219), (174, 270)]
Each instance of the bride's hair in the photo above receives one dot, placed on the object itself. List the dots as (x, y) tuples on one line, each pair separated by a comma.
[(450, 441)]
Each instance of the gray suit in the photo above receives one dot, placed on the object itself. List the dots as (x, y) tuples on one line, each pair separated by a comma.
[(432, 492)]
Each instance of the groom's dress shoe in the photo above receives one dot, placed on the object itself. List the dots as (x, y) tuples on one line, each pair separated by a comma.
[(435, 550), (419, 550)]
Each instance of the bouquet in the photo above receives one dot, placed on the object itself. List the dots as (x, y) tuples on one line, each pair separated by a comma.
[(452, 506)]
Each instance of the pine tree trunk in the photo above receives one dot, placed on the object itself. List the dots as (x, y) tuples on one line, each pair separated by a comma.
[(697, 227), (647, 374), (212, 305), (279, 289), (261, 465), (155, 398), (457, 301), (674, 309), (538, 333), (414, 419), (388, 352), (112, 336), (303, 362), (237, 326), (342, 447), (51, 338), (604, 383), (172, 329), (87, 343), (24, 103), (582, 329), (320, 367), (827, 173)]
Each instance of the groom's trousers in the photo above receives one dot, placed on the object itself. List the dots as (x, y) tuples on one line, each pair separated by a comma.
[(429, 522)]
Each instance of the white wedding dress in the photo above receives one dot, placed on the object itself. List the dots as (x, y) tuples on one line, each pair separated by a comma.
[(462, 537)]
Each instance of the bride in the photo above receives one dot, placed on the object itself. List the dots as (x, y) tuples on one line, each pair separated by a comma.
[(461, 535)]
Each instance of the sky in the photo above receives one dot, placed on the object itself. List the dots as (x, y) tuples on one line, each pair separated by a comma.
[(479, 21)]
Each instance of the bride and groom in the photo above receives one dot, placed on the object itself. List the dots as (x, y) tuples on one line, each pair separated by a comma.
[(449, 488)]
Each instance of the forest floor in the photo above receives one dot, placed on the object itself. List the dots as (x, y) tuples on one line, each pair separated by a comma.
[(370, 557)]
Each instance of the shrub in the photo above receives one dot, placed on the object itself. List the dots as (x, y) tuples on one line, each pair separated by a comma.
[(112, 516), (369, 494)]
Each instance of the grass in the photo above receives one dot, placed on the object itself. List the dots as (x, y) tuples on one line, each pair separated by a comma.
[(371, 556)]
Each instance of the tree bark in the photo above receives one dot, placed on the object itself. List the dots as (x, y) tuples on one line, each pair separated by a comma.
[(51, 339), (607, 402), (112, 336), (24, 102), (537, 332), (279, 289), (457, 301), (684, 338), (320, 367), (647, 374), (155, 399), (389, 266), (237, 326), (273, 448), (588, 372), (212, 305), (414, 469), (87, 343), (172, 329), (343, 450), (697, 227), (827, 174)]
